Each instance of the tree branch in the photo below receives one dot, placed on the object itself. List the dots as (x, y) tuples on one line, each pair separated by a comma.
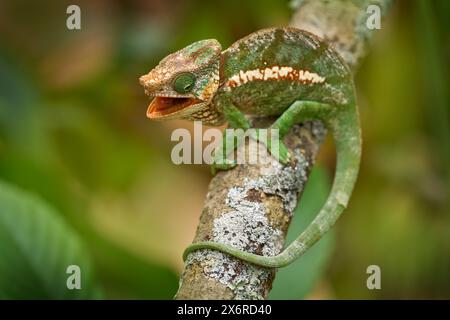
[(250, 207)]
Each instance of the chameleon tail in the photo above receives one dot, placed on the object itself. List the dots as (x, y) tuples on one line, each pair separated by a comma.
[(346, 133)]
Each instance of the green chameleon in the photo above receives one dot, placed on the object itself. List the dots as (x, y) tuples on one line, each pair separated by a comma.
[(283, 72)]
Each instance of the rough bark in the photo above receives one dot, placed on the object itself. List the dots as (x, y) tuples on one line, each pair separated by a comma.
[(251, 206)]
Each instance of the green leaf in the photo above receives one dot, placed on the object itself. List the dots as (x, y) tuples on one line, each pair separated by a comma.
[(298, 279), (126, 275), (36, 248)]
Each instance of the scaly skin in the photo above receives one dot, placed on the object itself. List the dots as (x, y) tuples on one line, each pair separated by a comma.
[(281, 71)]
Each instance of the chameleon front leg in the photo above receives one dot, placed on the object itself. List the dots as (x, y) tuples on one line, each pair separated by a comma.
[(344, 124), (299, 111), (236, 120)]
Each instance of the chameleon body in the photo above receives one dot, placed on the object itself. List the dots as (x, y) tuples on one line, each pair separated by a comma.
[(283, 72)]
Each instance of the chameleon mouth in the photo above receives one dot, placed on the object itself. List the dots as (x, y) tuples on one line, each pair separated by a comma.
[(163, 106)]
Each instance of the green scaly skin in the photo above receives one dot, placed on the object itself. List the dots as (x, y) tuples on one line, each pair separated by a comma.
[(283, 72)]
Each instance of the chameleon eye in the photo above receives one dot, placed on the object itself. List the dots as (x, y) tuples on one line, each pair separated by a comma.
[(184, 82)]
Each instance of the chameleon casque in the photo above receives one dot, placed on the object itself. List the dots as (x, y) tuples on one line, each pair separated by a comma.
[(283, 72)]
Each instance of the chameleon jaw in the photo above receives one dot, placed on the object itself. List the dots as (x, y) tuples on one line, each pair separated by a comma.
[(164, 106)]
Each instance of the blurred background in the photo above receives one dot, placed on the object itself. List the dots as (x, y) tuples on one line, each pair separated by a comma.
[(82, 167)]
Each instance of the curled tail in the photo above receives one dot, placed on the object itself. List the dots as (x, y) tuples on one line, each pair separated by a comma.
[(347, 136)]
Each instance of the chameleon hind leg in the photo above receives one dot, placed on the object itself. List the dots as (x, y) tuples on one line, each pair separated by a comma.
[(299, 111), (231, 141)]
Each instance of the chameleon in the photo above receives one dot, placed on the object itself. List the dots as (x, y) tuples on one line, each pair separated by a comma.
[(283, 72)]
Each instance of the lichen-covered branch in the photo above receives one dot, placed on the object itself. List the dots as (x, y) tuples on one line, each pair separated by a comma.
[(250, 207)]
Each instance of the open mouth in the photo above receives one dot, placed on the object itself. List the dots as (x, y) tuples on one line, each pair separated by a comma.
[(162, 106)]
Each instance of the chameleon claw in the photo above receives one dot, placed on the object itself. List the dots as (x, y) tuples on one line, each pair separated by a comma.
[(281, 153)]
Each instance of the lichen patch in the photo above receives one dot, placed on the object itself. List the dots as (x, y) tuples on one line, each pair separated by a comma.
[(246, 228), (241, 278), (283, 181)]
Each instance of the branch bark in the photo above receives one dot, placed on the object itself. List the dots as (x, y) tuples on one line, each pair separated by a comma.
[(250, 206)]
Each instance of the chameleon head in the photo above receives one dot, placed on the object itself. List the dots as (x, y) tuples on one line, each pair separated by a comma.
[(183, 84)]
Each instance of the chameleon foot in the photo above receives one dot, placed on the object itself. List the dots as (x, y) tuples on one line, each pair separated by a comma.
[(278, 150)]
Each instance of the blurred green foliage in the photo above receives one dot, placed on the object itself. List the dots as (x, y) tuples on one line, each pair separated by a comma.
[(73, 132), (297, 280), (36, 249)]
